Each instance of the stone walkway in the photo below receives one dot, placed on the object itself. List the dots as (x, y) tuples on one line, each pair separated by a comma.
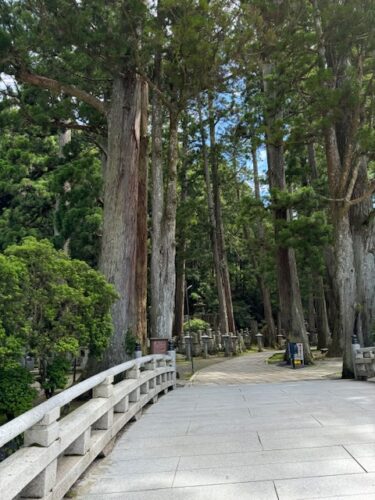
[(210, 440), (253, 369)]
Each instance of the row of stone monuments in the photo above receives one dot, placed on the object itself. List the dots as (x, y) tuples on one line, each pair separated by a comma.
[(209, 342)]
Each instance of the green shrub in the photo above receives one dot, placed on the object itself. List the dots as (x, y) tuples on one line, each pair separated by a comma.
[(195, 324), (56, 376), (130, 343), (16, 393)]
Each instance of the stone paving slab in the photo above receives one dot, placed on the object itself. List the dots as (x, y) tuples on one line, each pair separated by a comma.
[(263, 490), (297, 439), (320, 487)]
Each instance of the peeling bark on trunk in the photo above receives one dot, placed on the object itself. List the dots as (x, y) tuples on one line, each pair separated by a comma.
[(119, 240), (157, 201), (213, 233), (141, 278), (163, 270)]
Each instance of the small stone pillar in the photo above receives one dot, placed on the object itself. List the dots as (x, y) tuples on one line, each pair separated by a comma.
[(259, 338), (280, 340), (205, 340), (234, 339), (254, 329), (247, 338), (225, 339), (355, 345), (188, 346), (172, 353)]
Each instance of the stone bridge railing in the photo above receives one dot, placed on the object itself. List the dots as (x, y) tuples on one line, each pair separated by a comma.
[(57, 449)]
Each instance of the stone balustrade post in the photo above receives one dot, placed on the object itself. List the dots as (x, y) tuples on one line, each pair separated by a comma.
[(104, 390), (44, 434), (134, 372)]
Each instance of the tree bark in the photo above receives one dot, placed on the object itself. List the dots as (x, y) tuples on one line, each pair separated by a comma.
[(345, 284), (163, 269), (322, 325), (319, 296), (362, 223), (224, 328), (141, 277), (157, 200), (266, 296), (178, 324), (292, 318), (119, 239), (219, 219), (344, 178)]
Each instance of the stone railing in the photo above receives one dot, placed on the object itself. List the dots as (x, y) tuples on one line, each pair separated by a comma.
[(57, 449)]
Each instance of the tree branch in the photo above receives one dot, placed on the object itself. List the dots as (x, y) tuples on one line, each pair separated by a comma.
[(58, 87)]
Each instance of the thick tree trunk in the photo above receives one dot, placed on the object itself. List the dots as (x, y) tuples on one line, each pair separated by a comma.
[(141, 278), (163, 269), (362, 224), (119, 240), (178, 324), (213, 233), (292, 318), (219, 220), (266, 296), (157, 203), (345, 285), (344, 173)]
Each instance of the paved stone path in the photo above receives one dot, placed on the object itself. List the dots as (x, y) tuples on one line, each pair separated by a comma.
[(252, 368), (300, 439)]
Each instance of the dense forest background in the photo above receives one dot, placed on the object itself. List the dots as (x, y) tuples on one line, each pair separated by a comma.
[(215, 152)]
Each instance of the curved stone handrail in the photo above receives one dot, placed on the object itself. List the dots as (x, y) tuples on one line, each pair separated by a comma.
[(57, 451)]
